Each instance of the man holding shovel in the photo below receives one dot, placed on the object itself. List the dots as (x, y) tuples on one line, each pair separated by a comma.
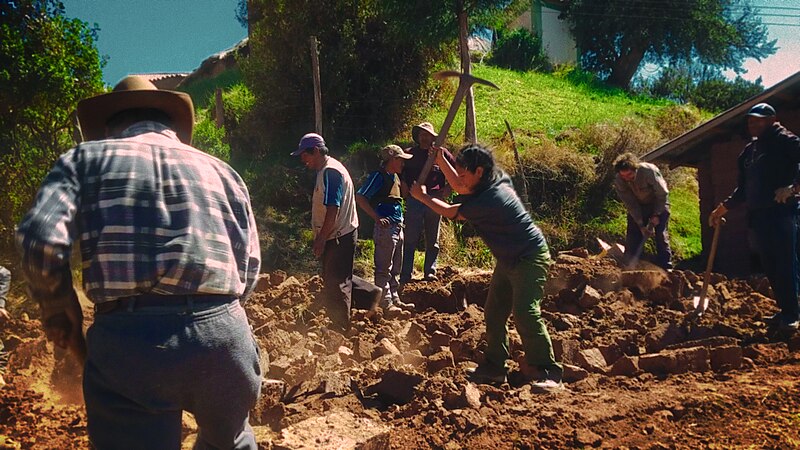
[(768, 170), (169, 251), (644, 192)]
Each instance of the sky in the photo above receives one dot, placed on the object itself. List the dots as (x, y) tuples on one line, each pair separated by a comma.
[(144, 36), (177, 35)]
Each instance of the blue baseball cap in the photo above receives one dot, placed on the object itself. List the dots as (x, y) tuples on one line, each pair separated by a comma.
[(762, 110), (310, 140)]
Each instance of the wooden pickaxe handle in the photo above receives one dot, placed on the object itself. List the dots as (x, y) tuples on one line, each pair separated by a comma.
[(465, 82)]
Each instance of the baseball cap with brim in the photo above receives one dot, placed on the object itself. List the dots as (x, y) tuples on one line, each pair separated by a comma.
[(309, 140), (762, 110), (135, 92), (394, 151), (424, 126)]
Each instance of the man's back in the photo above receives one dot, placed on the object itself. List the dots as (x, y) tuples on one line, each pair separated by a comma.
[(154, 215)]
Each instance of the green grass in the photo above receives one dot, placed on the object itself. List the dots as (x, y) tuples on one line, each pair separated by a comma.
[(202, 91), (542, 103)]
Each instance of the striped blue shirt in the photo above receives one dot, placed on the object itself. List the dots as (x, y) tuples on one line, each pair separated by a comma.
[(152, 214)]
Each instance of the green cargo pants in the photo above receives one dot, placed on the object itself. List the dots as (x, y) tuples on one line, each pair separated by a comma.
[(519, 289)]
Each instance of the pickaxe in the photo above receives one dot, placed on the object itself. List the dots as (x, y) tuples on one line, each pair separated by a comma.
[(465, 82)]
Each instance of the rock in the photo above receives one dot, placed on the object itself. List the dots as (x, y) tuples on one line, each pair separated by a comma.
[(440, 360), (662, 336), (584, 438), (573, 374), (277, 277), (468, 397), (414, 358), (590, 298), (272, 392), (627, 366), (363, 349), (695, 359), (336, 383), (726, 358), (439, 339), (643, 281), (385, 347), (592, 360), (566, 258), (291, 281), (566, 351), (339, 430), (262, 283), (564, 321), (345, 353), (396, 387)]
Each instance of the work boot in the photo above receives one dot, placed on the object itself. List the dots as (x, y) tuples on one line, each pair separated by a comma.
[(431, 277), (487, 374)]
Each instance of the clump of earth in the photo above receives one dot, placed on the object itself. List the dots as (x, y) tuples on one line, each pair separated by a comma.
[(640, 371)]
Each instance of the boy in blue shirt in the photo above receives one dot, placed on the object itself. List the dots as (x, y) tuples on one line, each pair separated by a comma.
[(381, 199)]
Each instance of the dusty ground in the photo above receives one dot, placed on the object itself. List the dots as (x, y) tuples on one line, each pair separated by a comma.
[(640, 374)]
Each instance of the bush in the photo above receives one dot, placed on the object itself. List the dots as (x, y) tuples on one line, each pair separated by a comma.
[(519, 50), (210, 138)]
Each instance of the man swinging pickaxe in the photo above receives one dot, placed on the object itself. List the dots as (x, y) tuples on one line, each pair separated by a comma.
[(465, 82)]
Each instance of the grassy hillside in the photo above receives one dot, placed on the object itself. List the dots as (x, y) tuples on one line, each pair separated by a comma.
[(548, 103), (560, 118), (568, 129)]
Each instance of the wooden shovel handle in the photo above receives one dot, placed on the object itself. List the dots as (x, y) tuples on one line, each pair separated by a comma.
[(711, 255)]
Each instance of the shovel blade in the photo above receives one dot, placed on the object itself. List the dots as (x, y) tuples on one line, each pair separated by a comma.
[(700, 304)]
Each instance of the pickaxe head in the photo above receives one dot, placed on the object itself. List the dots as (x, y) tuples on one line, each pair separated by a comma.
[(465, 79)]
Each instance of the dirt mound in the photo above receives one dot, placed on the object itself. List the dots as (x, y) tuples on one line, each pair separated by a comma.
[(640, 373)]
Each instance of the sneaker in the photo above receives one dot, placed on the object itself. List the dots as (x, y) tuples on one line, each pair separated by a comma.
[(487, 374), (404, 305), (546, 386), (431, 277)]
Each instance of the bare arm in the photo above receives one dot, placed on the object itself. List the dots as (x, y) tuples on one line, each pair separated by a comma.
[(440, 207), (331, 211), (449, 173)]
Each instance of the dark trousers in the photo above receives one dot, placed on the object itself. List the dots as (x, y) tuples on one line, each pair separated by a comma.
[(775, 235), (634, 241), (339, 285), (146, 364)]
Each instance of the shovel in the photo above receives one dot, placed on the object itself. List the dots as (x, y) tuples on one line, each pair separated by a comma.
[(701, 302), (648, 232)]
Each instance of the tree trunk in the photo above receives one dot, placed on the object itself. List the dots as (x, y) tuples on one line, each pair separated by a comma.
[(626, 66), (470, 129)]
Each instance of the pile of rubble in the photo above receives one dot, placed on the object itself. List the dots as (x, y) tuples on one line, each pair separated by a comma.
[(638, 368)]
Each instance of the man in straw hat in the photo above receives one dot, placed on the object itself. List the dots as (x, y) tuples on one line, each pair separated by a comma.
[(169, 251), (419, 218)]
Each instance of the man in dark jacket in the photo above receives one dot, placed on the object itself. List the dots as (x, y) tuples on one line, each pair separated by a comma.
[(768, 168)]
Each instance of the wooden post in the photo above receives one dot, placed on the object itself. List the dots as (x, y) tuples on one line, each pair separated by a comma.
[(470, 127), (317, 88), (520, 181), (219, 108)]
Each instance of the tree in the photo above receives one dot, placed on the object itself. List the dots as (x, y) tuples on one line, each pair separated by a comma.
[(375, 60), (704, 86), (616, 36), (47, 64)]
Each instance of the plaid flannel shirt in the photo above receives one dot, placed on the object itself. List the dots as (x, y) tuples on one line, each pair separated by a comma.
[(154, 216)]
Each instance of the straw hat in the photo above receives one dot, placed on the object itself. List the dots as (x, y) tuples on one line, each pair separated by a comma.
[(135, 92), (424, 126)]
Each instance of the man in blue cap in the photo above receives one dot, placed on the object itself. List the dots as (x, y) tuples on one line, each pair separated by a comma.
[(768, 170), (334, 221)]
